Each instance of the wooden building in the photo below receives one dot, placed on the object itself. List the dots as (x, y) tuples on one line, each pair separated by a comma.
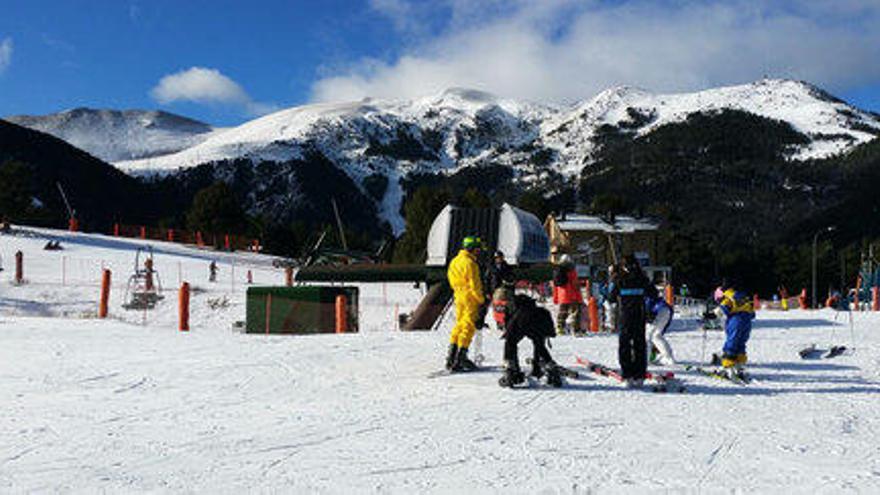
[(595, 243)]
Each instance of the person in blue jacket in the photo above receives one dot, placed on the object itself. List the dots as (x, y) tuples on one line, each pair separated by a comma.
[(659, 315), (737, 306)]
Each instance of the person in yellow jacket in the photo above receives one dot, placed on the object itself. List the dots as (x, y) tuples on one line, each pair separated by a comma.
[(467, 288)]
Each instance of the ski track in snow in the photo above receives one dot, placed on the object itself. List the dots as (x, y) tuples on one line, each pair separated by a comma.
[(130, 404)]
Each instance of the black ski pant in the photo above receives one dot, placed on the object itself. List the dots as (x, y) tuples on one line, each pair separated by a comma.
[(631, 351), (512, 338)]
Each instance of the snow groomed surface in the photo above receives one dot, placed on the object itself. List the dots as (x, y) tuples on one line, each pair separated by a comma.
[(127, 405)]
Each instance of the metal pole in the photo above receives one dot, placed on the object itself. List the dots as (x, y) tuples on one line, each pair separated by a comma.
[(815, 238)]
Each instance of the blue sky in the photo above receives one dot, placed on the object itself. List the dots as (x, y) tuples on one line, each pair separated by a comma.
[(225, 62)]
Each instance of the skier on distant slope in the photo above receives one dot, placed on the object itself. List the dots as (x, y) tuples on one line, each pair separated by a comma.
[(659, 316), (737, 306), (630, 289), (464, 278), (520, 318)]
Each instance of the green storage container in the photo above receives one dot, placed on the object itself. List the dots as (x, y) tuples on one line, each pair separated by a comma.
[(299, 310)]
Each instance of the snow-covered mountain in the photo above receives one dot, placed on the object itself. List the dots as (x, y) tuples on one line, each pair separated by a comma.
[(831, 125), (462, 128), (114, 135), (445, 133)]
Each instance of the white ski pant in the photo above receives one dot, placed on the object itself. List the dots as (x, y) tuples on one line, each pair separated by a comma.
[(610, 315), (655, 331)]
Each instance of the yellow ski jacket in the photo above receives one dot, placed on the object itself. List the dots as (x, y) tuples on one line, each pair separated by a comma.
[(464, 278)]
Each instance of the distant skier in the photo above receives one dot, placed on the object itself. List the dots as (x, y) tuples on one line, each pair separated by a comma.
[(521, 318), (631, 287), (737, 306), (212, 271), (567, 294), (464, 278), (659, 317)]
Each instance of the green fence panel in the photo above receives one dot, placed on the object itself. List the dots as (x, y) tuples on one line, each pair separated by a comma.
[(298, 310)]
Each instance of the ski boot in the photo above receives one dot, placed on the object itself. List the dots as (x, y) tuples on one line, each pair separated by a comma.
[(451, 357), (739, 367), (512, 375), (462, 363), (728, 361), (634, 383), (537, 369), (666, 361), (554, 375), (732, 367)]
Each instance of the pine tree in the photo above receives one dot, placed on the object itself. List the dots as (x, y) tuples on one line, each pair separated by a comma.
[(215, 209), (419, 212), (15, 192)]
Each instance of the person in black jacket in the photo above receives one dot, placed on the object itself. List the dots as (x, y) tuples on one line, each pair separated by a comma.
[(630, 289), (500, 273), (521, 318)]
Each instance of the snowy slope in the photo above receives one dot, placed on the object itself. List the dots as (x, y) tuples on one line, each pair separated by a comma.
[(122, 406), (114, 135)]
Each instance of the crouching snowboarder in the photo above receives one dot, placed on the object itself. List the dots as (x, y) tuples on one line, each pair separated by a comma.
[(520, 318), (659, 317)]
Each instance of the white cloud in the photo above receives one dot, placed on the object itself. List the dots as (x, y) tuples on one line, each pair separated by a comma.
[(204, 85), (400, 12), (563, 50), (5, 53)]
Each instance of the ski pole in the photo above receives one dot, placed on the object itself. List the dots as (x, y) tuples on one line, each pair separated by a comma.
[(852, 332), (703, 350)]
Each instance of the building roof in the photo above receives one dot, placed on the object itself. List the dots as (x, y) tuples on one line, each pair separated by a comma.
[(622, 224)]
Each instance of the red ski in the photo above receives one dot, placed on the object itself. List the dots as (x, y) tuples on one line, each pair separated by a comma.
[(665, 382)]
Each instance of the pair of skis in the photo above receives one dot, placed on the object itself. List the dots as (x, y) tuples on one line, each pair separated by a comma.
[(812, 352), (731, 375), (662, 382)]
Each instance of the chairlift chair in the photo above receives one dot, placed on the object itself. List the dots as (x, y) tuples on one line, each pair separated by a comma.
[(144, 287)]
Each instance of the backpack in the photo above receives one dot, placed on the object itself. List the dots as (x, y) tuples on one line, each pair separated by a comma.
[(560, 276)]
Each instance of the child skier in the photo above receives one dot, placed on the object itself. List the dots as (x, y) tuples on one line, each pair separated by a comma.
[(522, 318), (659, 318), (737, 306)]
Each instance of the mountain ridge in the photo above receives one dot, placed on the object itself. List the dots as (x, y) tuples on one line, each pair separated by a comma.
[(114, 135)]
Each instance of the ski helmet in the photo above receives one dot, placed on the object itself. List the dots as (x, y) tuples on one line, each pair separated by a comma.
[(471, 242)]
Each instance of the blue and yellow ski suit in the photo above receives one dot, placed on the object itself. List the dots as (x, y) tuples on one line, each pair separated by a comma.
[(740, 312), (464, 278)]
